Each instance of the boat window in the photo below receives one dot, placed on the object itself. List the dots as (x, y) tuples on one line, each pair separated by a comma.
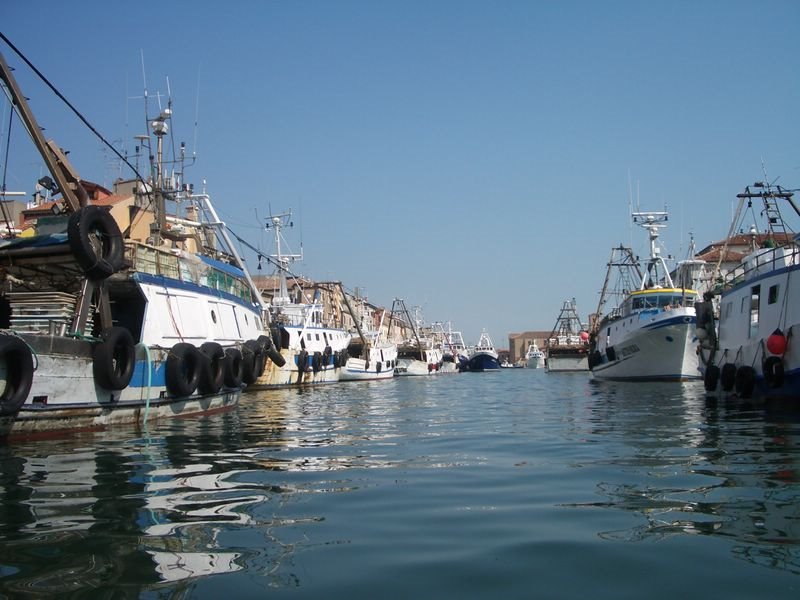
[(772, 297), (755, 296), (308, 337)]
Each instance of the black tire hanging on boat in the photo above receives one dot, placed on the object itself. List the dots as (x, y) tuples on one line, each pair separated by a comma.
[(316, 362), (252, 361), (773, 372), (96, 241), (184, 366), (271, 351), (18, 360), (114, 358), (233, 368), (302, 361), (212, 376), (611, 353), (727, 376), (711, 378), (745, 381)]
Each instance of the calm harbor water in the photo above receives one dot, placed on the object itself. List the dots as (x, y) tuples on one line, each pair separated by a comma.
[(513, 484)]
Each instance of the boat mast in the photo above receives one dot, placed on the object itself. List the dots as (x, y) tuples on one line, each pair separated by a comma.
[(652, 222), (66, 177)]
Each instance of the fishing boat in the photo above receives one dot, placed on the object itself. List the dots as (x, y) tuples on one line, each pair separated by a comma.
[(369, 354), (417, 355), (534, 357), (455, 355), (122, 308), (648, 334), (483, 356), (750, 349), (312, 346), (567, 346)]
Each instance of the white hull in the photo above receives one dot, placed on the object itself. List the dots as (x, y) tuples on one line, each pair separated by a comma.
[(322, 351), (660, 348), (380, 365), (768, 298), (411, 367), (357, 369), (567, 363), (65, 397), (535, 362)]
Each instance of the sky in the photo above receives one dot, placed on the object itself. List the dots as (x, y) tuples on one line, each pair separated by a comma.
[(477, 159)]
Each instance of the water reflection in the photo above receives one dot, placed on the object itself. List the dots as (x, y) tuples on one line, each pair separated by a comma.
[(694, 467), (135, 514)]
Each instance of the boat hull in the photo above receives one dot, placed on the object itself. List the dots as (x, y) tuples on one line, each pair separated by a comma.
[(567, 362), (358, 369), (415, 368), (660, 347), (764, 301), (483, 361), (535, 362), (65, 397)]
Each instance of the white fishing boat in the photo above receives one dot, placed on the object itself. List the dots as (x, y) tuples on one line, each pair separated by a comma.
[(312, 347), (567, 346), (418, 355), (534, 357), (369, 354), (649, 333), (124, 308), (455, 354), (753, 351), (484, 356)]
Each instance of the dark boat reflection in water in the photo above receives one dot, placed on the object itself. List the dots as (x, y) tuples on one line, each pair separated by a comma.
[(452, 487)]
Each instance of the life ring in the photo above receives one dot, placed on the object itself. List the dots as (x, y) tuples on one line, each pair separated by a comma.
[(114, 359), (727, 376), (711, 378), (212, 376), (773, 371), (184, 366), (316, 362), (18, 360), (233, 368), (745, 381), (96, 241), (253, 361)]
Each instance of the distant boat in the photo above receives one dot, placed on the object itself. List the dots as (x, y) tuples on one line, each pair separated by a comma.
[(534, 357), (455, 355), (418, 355), (648, 335), (369, 354), (484, 356), (567, 347), (755, 352), (312, 349)]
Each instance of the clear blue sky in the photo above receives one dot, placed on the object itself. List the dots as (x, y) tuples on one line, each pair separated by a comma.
[(471, 157)]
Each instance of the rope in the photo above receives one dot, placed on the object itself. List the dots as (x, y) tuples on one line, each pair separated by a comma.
[(148, 363)]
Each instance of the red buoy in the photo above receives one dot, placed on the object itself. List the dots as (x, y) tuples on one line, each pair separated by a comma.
[(776, 342), (584, 335)]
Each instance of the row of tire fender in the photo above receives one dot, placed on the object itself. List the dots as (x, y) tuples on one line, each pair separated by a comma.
[(319, 360), (188, 368), (743, 379)]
